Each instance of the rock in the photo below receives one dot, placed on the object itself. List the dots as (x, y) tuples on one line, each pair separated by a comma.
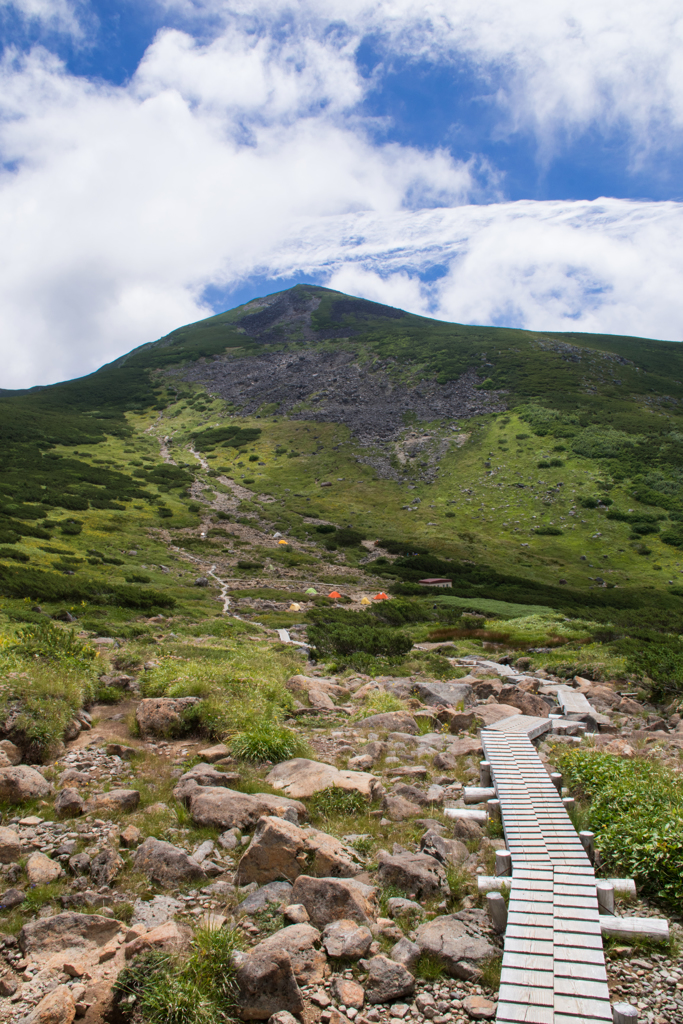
[(79, 864), (72, 776), (300, 942), (280, 849), (114, 800), (283, 1017), (22, 783), (479, 1008), (267, 985), (274, 892), (105, 867), (302, 684), (41, 870), (447, 759), (398, 808), (406, 953), (72, 730), (169, 937), (320, 700), (458, 721), (302, 778), (387, 980), (121, 750), (361, 763), (334, 899), (165, 864), (203, 775), (226, 808), (449, 939), (69, 803), (414, 873), (57, 1007), (163, 716), (487, 688), (348, 993), (465, 828), (130, 837), (230, 839), (214, 753), (397, 906), (390, 721), (296, 913), (11, 751), (619, 747), (449, 693), (66, 931), (8, 984), (448, 851), (527, 703), (10, 846), (489, 714), (155, 912), (11, 899), (627, 706), (346, 939)]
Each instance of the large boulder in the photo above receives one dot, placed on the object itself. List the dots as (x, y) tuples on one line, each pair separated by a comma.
[(456, 944), (450, 693), (69, 803), (169, 937), (41, 870), (398, 808), (390, 721), (331, 899), (448, 851), (280, 849), (156, 911), (387, 980), (66, 931), (447, 759), (57, 1007), (114, 800), (414, 873), (346, 939), (267, 984), (10, 846), (302, 943), (105, 867), (301, 778), (166, 864), (489, 714), (527, 703), (304, 684), (11, 751), (163, 716), (278, 893), (20, 783), (203, 775), (225, 808)]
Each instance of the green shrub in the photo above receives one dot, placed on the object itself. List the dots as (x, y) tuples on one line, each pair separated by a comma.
[(15, 556), (336, 801), (636, 812), (548, 531), (138, 577), (379, 703), (326, 528), (45, 640), (267, 740), (543, 464)]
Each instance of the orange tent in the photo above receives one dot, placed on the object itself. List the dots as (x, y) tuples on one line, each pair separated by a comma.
[(381, 596), (335, 595)]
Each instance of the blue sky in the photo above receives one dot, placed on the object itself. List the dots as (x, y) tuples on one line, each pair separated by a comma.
[(480, 162)]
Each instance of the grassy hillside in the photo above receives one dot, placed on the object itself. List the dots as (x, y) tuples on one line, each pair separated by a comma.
[(535, 470)]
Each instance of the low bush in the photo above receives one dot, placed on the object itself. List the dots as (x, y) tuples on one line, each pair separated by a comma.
[(267, 740), (379, 703), (548, 531), (53, 643), (347, 639), (333, 801), (636, 812)]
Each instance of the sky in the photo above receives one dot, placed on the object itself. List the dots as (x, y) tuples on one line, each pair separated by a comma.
[(470, 160)]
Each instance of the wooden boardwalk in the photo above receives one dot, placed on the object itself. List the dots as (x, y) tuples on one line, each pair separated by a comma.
[(553, 962)]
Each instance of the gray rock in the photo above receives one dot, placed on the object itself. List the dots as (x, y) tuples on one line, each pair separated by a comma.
[(65, 931), (42, 870), (163, 716), (331, 899), (415, 873), (11, 899), (57, 1007), (114, 800), (11, 751), (455, 943), (448, 851), (214, 753), (280, 849), (302, 778), (230, 839), (387, 980), (166, 864), (69, 803), (296, 913), (79, 864), (397, 808), (399, 907), (156, 911), (10, 846), (266, 985), (274, 892), (22, 783), (347, 993), (465, 828), (226, 808), (105, 867), (390, 721), (346, 939), (282, 1017), (301, 942), (451, 693), (406, 953), (203, 775)]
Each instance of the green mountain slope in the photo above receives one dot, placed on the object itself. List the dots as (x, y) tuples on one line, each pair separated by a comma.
[(536, 469)]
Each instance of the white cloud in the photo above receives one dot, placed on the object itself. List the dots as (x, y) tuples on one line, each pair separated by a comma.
[(61, 16)]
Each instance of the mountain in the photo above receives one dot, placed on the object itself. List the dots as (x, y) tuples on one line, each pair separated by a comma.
[(536, 468)]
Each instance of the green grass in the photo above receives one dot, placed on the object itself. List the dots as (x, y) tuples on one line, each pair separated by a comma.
[(266, 740)]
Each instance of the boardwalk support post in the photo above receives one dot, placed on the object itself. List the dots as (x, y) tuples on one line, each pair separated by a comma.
[(588, 843), (503, 863), (484, 774), (605, 891), (498, 911), (624, 1013)]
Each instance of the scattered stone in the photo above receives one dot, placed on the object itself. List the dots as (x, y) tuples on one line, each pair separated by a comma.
[(296, 913), (489, 714), (130, 837), (397, 906), (79, 864), (274, 892), (57, 1007), (8, 984), (230, 839), (163, 716), (280, 849), (203, 775), (407, 953), (120, 750), (465, 828), (527, 703), (267, 985), (450, 693), (390, 721), (11, 751), (165, 864), (11, 899), (283, 1017), (22, 783), (448, 851), (448, 759), (331, 899), (361, 763), (10, 846), (478, 1007), (226, 808), (301, 942), (41, 870), (214, 753), (73, 969), (450, 940), (105, 867), (398, 808), (114, 800), (414, 873), (320, 700), (69, 803), (302, 778), (169, 937), (348, 993), (346, 939), (155, 912), (65, 931), (387, 980)]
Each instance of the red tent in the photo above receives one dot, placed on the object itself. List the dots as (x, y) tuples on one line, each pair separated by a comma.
[(381, 596), (335, 595)]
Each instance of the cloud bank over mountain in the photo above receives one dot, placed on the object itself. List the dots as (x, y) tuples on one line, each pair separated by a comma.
[(251, 143)]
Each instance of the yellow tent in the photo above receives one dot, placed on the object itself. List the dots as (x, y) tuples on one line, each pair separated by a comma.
[(365, 600), (294, 607), (283, 542)]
